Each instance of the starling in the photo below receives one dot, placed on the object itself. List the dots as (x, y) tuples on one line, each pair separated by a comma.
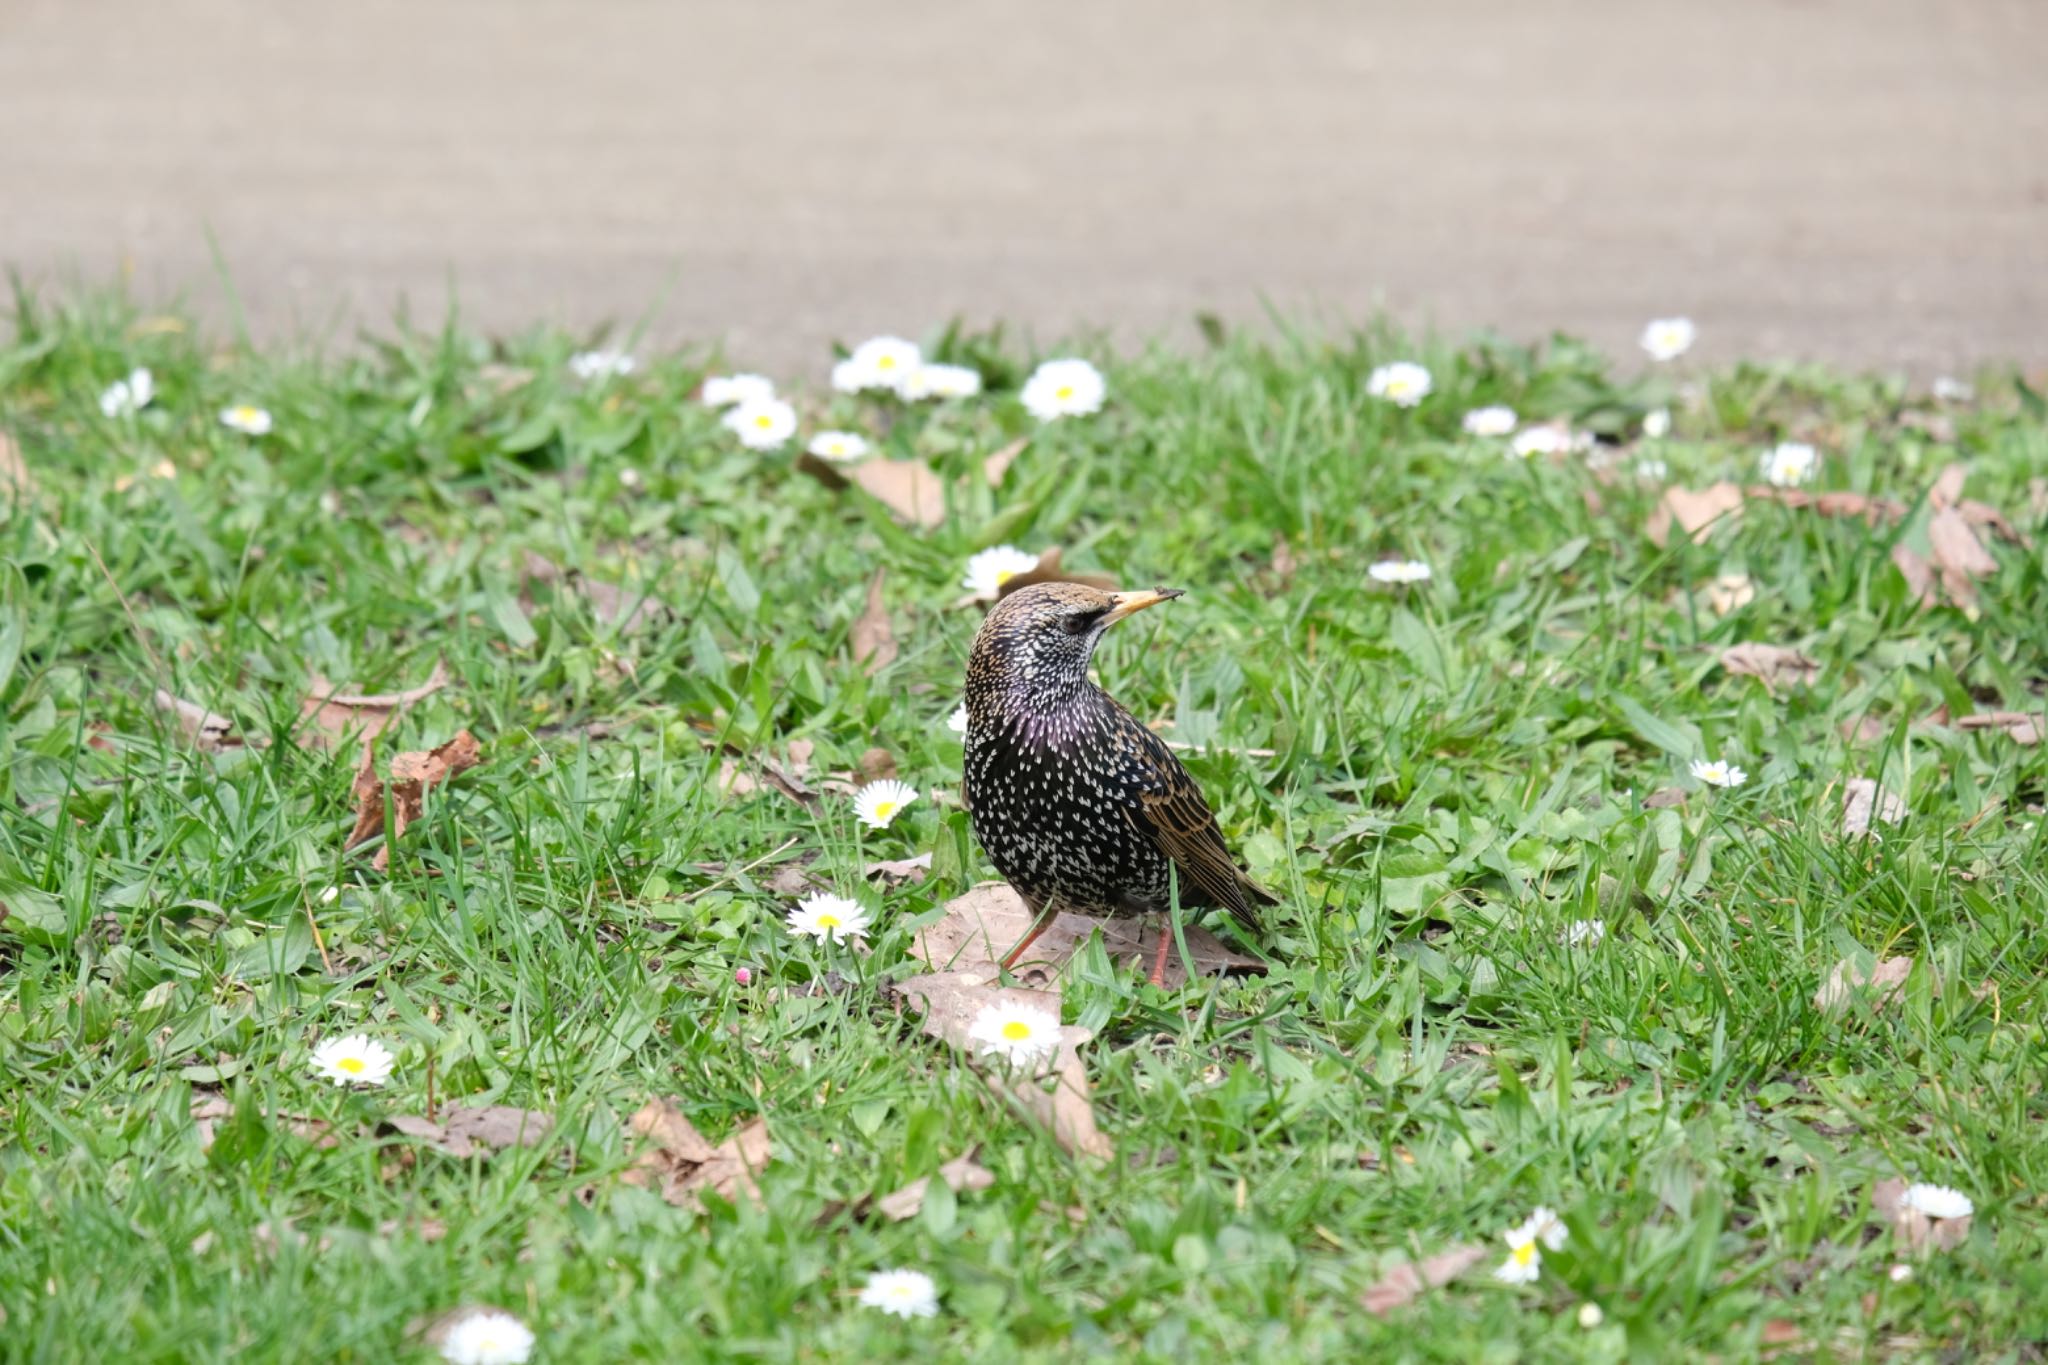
[(1079, 805)]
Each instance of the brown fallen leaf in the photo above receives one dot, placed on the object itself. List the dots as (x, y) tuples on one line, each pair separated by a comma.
[(16, 484), (1918, 572), (1279, 575), (1664, 798), (873, 638), (787, 778), (1776, 665), (1055, 1096), (413, 774), (1884, 981), (1865, 729), (1958, 555), (626, 608), (1405, 1282), (1863, 801), (467, 1130), (206, 731), (1836, 503), (962, 1174), (874, 765), (2037, 499), (1049, 570), (907, 488), (980, 925), (1730, 592), (2024, 727), (995, 466), (1696, 510), (1914, 1229), (793, 879), (422, 1229), (898, 871), (682, 1165), (337, 712), (209, 1107)]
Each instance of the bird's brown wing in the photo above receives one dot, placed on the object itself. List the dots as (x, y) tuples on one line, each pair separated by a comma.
[(1172, 812)]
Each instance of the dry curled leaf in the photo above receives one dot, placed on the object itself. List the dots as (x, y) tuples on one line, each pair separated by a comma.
[(962, 1174), (908, 488), (1776, 665), (1696, 510), (787, 778), (1914, 1229), (898, 871), (336, 712), (980, 925), (874, 639), (1049, 570), (15, 481), (413, 774), (998, 464), (1864, 801), (874, 765), (2024, 727), (465, 1130), (206, 731), (1884, 982), (1405, 1282), (681, 1165), (1664, 798), (626, 608)]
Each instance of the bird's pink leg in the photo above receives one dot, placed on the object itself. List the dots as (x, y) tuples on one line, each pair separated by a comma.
[(1159, 962), (1039, 924)]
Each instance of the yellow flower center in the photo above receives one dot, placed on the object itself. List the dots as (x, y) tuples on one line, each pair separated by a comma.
[(764, 421), (887, 362), (1525, 1254), (245, 414), (354, 1066), (1016, 1031), (884, 809), (1063, 392), (828, 920), (1004, 575)]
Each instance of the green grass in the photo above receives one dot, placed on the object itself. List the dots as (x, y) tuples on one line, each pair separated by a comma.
[(1459, 772)]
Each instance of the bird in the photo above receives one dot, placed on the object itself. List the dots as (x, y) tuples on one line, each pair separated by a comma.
[(1075, 801)]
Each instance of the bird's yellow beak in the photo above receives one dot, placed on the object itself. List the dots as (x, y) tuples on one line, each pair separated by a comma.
[(1130, 603)]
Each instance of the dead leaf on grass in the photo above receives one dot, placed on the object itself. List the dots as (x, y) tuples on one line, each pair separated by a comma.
[(1730, 592), (15, 480), (413, 774), (422, 1229), (998, 464), (1914, 1229), (961, 1175), (1405, 1282), (874, 765), (1884, 981), (1918, 573), (1696, 510), (874, 639), (1864, 801), (1776, 665), (681, 1165), (207, 731), (1664, 798), (792, 879), (787, 778), (464, 1130), (336, 712), (908, 488), (1056, 1096), (898, 871), (2024, 727), (626, 608), (980, 925), (1049, 570)]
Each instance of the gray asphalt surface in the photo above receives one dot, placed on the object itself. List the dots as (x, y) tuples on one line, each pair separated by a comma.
[(1864, 181)]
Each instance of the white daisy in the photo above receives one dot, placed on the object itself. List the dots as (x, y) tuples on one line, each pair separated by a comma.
[(1654, 470), (1403, 383), (1949, 389), (878, 803), (957, 722), (1657, 425), (247, 419), (901, 1293), (730, 390), (126, 397), (1900, 1273), (1544, 440), (1493, 421), (762, 424), (1718, 773), (629, 477), (1669, 338), (1590, 1315), (838, 445), (883, 362), (356, 1058), (828, 918), (1399, 571), (1019, 1034), (989, 570), (1547, 1227), (1064, 388), (942, 381), (1525, 1247), (1584, 933), (1790, 463), (588, 365), (487, 1337), (1938, 1201)]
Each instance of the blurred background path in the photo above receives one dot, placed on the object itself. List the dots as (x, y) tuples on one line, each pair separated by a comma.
[(1864, 181)]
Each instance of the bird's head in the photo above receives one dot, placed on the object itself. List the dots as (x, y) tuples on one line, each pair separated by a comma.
[(1037, 641)]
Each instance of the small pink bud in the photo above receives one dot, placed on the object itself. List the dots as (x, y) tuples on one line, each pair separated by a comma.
[(744, 976)]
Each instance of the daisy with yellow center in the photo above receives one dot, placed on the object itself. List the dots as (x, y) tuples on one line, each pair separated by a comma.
[(878, 803), (942, 381), (1493, 421), (828, 918), (838, 445), (762, 424), (246, 418), (488, 1337), (989, 570), (1402, 383), (1398, 571), (1669, 338), (589, 365), (957, 722), (1790, 463), (355, 1060), (1020, 1035), (901, 1293), (1067, 387), (1524, 1264), (883, 362), (126, 397), (1718, 772), (727, 390)]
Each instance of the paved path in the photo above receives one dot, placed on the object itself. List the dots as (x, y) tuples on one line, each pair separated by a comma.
[(1860, 180)]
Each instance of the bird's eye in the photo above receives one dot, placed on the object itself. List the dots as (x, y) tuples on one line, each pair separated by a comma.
[(1081, 622)]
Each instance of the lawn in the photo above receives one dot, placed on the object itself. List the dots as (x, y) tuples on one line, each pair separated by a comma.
[(1525, 957)]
